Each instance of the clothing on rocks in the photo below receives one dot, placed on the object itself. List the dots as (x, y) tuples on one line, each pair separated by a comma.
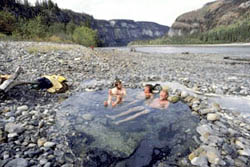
[(53, 83)]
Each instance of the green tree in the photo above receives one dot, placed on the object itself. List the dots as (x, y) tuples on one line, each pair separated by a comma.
[(85, 36), (7, 22), (56, 28), (70, 28), (37, 28), (50, 4), (31, 29)]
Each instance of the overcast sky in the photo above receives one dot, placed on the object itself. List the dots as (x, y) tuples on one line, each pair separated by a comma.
[(160, 11)]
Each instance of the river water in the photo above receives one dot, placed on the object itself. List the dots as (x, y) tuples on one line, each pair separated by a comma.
[(230, 50)]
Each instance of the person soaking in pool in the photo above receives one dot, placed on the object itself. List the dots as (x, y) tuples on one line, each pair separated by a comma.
[(162, 101), (118, 92), (149, 91)]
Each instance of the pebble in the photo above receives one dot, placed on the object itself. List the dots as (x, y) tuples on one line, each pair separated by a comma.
[(49, 144), (41, 142), (12, 135), (22, 108), (213, 117), (245, 152), (18, 162), (200, 161)]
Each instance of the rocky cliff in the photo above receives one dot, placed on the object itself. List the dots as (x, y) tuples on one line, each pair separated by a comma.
[(219, 12), (121, 32), (111, 33)]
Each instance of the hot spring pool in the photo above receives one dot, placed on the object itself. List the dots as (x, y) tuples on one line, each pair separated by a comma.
[(101, 139)]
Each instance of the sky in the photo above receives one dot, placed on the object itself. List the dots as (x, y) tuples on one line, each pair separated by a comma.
[(160, 11)]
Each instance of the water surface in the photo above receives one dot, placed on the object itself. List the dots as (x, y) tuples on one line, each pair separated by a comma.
[(139, 142), (239, 51)]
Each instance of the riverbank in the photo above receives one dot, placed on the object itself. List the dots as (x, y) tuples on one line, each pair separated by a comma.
[(28, 116)]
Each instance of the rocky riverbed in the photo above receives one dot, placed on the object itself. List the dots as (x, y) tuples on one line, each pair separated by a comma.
[(29, 137)]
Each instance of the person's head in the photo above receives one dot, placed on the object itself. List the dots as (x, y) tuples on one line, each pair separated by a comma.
[(164, 94), (148, 90), (118, 84)]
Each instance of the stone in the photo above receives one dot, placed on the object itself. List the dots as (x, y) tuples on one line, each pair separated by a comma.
[(12, 135), (6, 109), (206, 111), (31, 145), (48, 164), (228, 148), (188, 99), (2, 136), (68, 165), (212, 154), (245, 152), (232, 132), (14, 128), (239, 163), (200, 161), (204, 130), (184, 94), (43, 161), (239, 144), (22, 108), (88, 117), (216, 106), (49, 144), (213, 117), (18, 162), (40, 142), (173, 99), (196, 153)]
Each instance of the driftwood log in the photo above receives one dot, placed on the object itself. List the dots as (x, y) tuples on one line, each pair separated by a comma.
[(12, 82), (6, 85)]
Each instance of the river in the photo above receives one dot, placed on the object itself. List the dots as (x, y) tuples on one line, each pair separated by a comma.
[(227, 50)]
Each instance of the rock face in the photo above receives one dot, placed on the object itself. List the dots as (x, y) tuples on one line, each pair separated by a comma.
[(110, 33), (220, 12), (121, 32)]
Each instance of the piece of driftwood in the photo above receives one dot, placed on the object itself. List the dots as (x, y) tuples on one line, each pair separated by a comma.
[(12, 82), (7, 83)]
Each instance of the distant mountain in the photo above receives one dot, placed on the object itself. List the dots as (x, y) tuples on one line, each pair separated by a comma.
[(121, 32), (212, 15), (110, 33)]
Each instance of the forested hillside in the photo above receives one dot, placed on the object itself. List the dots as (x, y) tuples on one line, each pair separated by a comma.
[(45, 21), (221, 21)]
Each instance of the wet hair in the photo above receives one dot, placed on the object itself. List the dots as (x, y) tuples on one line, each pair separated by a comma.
[(117, 81), (150, 87), (165, 90)]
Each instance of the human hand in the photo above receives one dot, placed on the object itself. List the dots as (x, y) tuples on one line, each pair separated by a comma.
[(114, 104), (105, 103), (110, 92)]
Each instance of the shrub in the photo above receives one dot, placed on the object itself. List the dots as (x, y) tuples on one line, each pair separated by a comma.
[(56, 28), (85, 36), (2, 35)]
